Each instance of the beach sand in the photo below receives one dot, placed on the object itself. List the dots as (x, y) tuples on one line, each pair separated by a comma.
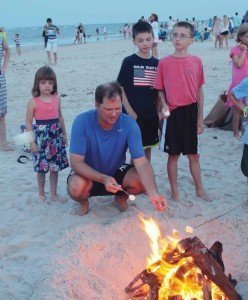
[(49, 252)]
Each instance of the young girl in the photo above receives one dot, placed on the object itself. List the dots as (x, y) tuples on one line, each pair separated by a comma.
[(154, 24), (239, 56), (48, 147)]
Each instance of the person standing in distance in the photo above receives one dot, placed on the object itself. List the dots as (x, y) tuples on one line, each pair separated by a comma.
[(52, 32)]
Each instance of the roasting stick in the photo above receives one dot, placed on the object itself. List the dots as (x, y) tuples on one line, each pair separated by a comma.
[(144, 215), (217, 217), (168, 220)]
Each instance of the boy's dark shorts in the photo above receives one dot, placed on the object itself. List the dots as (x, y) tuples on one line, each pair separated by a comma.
[(181, 131), (244, 161), (98, 189), (149, 131)]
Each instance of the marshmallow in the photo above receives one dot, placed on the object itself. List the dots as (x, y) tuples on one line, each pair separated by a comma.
[(131, 197), (166, 112), (189, 229), (175, 233)]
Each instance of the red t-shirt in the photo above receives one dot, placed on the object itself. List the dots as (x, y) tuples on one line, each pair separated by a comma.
[(180, 78)]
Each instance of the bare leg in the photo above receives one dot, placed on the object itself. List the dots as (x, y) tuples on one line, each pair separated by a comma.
[(41, 178), (79, 190), (55, 58), (49, 57), (148, 153), (3, 140), (121, 202), (53, 185), (221, 42), (53, 188), (131, 183), (195, 171), (226, 40), (172, 174), (155, 52), (235, 122), (215, 43)]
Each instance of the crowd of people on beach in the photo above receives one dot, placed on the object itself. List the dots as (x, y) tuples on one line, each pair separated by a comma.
[(150, 101)]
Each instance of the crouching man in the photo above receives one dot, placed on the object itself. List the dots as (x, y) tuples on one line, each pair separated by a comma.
[(99, 141)]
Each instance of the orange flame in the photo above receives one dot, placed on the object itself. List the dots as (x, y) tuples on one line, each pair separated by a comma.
[(184, 278)]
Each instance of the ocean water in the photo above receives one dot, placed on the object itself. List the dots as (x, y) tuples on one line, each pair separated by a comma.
[(32, 36)]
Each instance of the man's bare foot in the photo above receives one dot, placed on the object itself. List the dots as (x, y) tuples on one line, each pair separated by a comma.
[(6, 147), (204, 196), (84, 208), (121, 203), (59, 199)]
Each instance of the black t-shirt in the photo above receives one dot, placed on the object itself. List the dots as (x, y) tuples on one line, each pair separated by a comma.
[(137, 76)]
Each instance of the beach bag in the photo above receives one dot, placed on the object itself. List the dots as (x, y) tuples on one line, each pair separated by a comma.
[(218, 114), (25, 147)]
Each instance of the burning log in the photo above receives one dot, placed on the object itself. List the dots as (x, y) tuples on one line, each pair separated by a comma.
[(209, 262), (153, 280)]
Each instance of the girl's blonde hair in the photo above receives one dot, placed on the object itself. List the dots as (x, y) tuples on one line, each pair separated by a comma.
[(44, 73), (242, 30)]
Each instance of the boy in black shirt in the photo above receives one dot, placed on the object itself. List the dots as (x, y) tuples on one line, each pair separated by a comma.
[(136, 77)]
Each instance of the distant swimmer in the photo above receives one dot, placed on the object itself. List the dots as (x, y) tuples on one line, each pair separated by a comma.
[(97, 33)]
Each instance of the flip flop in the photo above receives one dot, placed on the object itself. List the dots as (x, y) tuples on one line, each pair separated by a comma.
[(23, 159)]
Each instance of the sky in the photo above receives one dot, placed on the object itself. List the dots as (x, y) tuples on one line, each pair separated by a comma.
[(24, 13)]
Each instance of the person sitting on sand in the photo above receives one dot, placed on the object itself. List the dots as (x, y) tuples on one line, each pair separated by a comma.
[(99, 141)]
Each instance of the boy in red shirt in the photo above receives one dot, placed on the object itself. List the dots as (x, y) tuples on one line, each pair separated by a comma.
[(179, 80)]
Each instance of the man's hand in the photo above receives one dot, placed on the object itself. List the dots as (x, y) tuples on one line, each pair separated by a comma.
[(111, 185), (200, 126), (159, 202)]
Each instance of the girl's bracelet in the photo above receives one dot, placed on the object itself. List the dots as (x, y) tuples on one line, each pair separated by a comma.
[(245, 110)]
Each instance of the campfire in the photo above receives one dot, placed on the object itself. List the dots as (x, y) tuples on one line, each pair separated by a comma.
[(181, 270)]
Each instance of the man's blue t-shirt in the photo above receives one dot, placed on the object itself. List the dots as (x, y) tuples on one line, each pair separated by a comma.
[(241, 91), (105, 150)]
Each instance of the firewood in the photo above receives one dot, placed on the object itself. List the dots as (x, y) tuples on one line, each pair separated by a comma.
[(194, 248), (216, 251), (208, 261)]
